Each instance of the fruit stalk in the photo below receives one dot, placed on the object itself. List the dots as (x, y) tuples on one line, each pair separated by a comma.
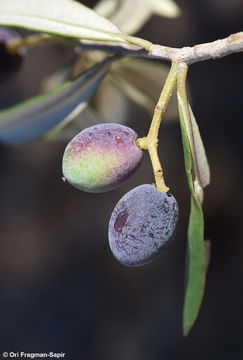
[(150, 142)]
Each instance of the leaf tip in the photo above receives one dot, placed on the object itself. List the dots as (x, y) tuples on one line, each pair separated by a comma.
[(186, 329)]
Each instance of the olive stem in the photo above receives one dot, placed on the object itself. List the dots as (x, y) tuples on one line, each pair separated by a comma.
[(133, 46), (150, 142)]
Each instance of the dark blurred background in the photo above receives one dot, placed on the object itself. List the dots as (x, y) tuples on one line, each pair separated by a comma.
[(60, 287)]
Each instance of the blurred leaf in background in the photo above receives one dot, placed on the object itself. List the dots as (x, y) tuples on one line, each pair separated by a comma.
[(33, 118), (130, 16)]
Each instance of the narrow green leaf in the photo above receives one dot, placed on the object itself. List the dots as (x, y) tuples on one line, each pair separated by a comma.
[(196, 266), (207, 252), (33, 118), (62, 17), (196, 255), (196, 271)]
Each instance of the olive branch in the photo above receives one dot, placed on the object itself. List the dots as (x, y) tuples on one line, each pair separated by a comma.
[(93, 32)]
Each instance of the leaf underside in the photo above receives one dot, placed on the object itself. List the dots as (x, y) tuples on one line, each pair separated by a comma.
[(203, 172), (33, 118), (61, 17)]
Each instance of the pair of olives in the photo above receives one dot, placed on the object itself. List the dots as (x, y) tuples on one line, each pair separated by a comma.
[(100, 158)]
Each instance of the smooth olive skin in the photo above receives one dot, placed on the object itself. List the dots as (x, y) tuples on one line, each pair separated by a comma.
[(101, 157)]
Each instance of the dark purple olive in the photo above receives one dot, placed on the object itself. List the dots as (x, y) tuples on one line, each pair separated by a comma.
[(142, 225)]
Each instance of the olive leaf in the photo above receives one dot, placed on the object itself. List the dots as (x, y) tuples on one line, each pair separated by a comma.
[(208, 252), (197, 171), (167, 8), (33, 118), (56, 130), (196, 258), (84, 117), (66, 18), (130, 16), (100, 105), (62, 17), (98, 110), (140, 80), (200, 167), (116, 110), (203, 171), (107, 7), (65, 73)]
